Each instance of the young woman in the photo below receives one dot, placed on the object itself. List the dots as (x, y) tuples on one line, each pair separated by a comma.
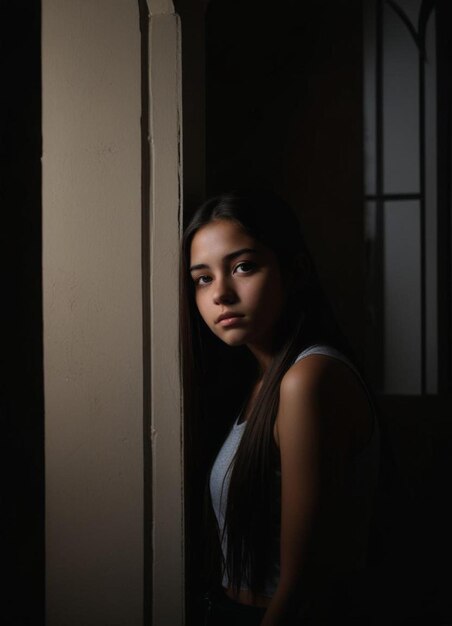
[(293, 483)]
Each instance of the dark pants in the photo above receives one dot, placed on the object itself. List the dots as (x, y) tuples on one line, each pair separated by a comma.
[(219, 610)]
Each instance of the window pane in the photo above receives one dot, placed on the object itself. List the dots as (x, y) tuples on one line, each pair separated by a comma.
[(400, 104), (402, 298)]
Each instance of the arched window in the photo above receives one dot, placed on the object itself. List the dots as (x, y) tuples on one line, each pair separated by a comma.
[(408, 287)]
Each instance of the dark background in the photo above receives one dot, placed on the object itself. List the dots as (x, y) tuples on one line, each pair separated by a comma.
[(21, 396), (284, 110)]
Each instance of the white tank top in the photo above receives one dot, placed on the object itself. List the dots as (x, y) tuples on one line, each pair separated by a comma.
[(364, 480)]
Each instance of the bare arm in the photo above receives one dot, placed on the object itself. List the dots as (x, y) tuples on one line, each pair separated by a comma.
[(314, 428)]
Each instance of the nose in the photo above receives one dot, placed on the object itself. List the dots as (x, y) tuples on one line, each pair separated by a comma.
[(224, 292)]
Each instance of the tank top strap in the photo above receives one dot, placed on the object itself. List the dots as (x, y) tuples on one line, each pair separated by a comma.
[(328, 351)]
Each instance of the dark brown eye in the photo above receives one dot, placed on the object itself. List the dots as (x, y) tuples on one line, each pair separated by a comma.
[(202, 280), (244, 267)]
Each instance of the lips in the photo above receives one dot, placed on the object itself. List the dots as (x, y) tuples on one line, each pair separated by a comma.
[(227, 318)]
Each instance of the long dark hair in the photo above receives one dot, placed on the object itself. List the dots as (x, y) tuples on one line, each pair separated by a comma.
[(308, 319)]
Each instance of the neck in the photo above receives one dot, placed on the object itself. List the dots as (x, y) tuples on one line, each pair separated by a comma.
[(263, 357), (265, 349)]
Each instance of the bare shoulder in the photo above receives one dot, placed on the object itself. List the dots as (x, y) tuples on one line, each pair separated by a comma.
[(323, 388), (308, 374)]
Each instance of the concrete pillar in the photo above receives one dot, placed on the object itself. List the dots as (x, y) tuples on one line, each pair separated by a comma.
[(92, 312)]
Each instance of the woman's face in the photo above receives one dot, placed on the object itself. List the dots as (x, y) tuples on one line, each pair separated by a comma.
[(239, 289)]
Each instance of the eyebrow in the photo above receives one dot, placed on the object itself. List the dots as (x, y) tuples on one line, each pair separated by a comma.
[(228, 257)]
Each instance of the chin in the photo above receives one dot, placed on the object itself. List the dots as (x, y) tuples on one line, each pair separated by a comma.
[(231, 340), (233, 343)]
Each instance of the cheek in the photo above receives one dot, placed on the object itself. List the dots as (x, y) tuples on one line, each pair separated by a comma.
[(271, 299), (269, 293)]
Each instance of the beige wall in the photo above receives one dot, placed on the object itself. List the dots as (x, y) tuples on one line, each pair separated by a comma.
[(92, 312)]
